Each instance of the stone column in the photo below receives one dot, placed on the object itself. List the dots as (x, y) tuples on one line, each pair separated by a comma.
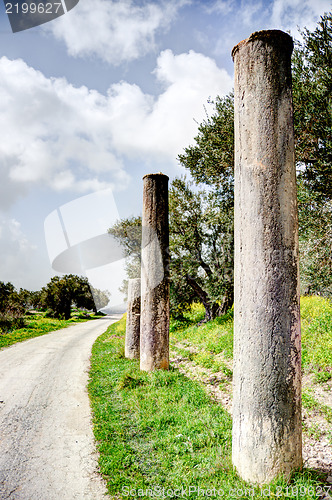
[(267, 347), (154, 343), (133, 319)]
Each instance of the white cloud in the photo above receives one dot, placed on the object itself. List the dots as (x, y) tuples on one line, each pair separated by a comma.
[(250, 12), (163, 127), (15, 235), (52, 133), (19, 257), (113, 30), (291, 14), (76, 139), (220, 7), (286, 15)]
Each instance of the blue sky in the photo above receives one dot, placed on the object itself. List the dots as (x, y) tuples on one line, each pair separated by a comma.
[(95, 99)]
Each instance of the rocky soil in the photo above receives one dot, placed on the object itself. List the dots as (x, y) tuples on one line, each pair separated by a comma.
[(317, 430)]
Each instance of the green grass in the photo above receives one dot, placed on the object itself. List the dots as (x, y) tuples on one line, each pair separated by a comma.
[(216, 336), (160, 430), (311, 403), (313, 431), (36, 325), (213, 337), (316, 318), (322, 376), (211, 362)]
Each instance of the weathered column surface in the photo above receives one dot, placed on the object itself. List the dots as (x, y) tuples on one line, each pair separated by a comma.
[(133, 319), (154, 338), (267, 373)]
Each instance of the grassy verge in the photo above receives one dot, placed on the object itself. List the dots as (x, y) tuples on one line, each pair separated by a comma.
[(37, 325), (316, 315), (160, 435), (216, 337), (309, 401)]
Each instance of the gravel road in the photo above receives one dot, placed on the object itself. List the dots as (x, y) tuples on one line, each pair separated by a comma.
[(46, 442)]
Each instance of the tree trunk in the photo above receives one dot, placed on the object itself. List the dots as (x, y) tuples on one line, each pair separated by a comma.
[(211, 308), (226, 303)]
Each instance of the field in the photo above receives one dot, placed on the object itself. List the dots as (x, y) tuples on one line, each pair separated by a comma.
[(37, 324), (168, 433)]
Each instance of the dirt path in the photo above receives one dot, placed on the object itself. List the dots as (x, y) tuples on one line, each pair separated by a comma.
[(46, 441)]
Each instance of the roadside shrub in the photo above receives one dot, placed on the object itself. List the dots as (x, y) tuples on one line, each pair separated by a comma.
[(11, 320)]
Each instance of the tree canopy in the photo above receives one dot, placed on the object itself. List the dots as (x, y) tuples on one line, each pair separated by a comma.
[(211, 159), (312, 97), (64, 291), (129, 233), (11, 307), (57, 297), (201, 247)]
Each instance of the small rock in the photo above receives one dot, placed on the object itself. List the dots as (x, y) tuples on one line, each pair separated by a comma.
[(329, 479)]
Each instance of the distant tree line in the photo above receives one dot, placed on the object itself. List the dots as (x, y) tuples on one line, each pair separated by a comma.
[(56, 299), (201, 211)]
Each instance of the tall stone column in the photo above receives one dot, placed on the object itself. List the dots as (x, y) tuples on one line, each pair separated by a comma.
[(154, 339), (133, 319), (267, 437)]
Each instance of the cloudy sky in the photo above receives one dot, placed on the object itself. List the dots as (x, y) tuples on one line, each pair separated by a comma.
[(95, 99)]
